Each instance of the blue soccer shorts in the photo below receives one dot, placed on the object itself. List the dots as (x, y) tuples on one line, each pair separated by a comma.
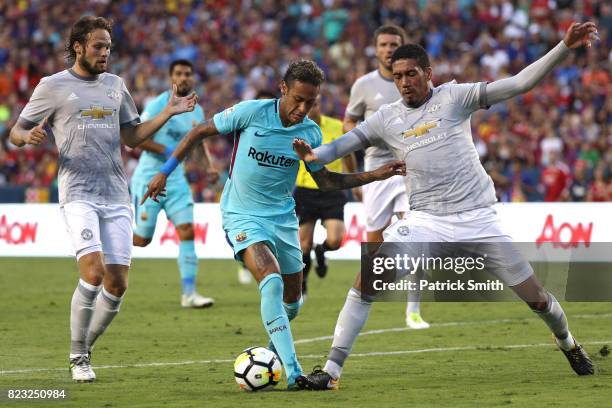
[(178, 205), (280, 233)]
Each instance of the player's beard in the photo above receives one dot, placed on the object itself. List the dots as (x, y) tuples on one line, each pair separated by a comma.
[(383, 63), (183, 90), (85, 65)]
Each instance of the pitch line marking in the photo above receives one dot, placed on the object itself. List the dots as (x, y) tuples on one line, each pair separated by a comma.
[(453, 324), (317, 356), (369, 354)]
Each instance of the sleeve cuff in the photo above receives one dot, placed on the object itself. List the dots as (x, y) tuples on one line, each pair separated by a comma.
[(132, 123), (26, 123), (313, 167)]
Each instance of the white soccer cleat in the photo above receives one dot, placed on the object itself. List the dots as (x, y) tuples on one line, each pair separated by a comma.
[(80, 368), (415, 321), (195, 300), (244, 276)]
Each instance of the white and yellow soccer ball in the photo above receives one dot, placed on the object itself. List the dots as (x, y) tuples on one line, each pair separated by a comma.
[(257, 368)]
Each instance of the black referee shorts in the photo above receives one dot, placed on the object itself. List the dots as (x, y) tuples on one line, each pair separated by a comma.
[(314, 204)]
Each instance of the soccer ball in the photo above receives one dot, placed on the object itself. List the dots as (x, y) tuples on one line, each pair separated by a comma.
[(257, 368)]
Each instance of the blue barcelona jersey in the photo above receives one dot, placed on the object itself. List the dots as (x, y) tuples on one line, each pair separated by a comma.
[(170, 134), (264, 166)]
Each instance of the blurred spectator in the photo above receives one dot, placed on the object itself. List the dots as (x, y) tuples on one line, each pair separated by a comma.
[(555, 177), (580, 184), (551, 143), (601, 188)]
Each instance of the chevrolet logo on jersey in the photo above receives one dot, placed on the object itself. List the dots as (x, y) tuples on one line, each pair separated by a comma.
[(420, 130), (97, 112)]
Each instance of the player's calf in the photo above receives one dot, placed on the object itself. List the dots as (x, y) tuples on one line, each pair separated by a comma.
[(553, 315), (292, 310)]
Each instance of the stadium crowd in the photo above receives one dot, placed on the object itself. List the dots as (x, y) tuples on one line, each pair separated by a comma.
[(553, 144)]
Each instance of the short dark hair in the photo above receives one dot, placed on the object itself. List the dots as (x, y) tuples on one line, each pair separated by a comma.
[(265, 94), (183, 62), (390, 29), (412, 51), (304, 71), (80, 30)]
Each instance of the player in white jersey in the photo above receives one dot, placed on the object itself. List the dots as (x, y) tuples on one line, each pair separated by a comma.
[(450, 193), (89, 113), (383, 199)]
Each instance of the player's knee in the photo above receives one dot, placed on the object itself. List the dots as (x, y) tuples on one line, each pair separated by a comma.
[(334, 243), (117, 285), (91, 268), (293, 308), (93, 276), (185, 232), (262, 271), (540, 301), (260, 260), (140, 241), (306, 246), (93, 273), (292, 294)]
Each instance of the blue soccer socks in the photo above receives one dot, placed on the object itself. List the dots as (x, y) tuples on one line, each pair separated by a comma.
[(188, 266), (276, 323)]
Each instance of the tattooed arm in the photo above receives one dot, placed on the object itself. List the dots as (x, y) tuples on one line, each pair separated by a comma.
[(328, 180)]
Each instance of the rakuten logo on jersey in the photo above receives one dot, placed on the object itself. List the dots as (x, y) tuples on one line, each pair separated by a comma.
[(17, 233), (565, 235), (267, 159)]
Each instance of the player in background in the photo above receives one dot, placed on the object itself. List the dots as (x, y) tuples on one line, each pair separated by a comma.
[(244, 276), (451, 195), (312, 204), (178, 204), (89, 113), (383, 199), (257, 206)]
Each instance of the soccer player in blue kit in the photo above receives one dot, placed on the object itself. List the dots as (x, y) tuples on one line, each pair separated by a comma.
[(257, 205), (179, 203)]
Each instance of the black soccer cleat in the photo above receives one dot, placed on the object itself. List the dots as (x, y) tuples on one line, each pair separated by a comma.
[(579, 360), (298, 385), (321, 268), (318, 380)]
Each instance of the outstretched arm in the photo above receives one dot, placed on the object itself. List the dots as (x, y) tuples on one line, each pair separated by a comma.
[(328, 180), (327, 153), (194, 137), (578, 35), (132, 136), (158, 148)]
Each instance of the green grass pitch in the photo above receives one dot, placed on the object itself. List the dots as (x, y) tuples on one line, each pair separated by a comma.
[(156, 354)]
